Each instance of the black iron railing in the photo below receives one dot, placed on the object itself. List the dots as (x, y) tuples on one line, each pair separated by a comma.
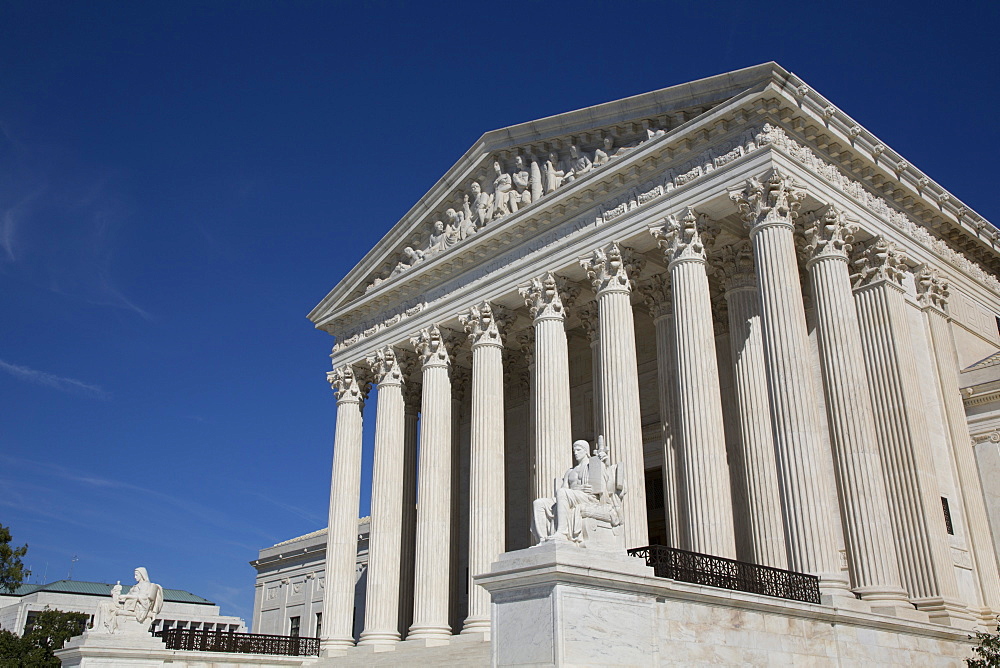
[(241, 643), (704, 569)]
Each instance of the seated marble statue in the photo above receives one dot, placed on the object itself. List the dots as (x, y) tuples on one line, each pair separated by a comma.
[(587, 507), (133, 612)]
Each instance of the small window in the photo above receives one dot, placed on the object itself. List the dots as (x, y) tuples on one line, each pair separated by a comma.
[(998, 324), (319, 624), (293, 626), (947, 516)]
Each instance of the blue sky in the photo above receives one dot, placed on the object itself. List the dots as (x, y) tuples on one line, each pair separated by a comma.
[(180, 184)]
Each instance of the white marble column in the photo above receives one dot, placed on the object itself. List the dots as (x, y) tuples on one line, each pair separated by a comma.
[(933, 293), (703, 440), (461, 381), (430, 589), (925, 562), (589, 318), (553, 428), (768, 208), (486, 469), (384, 541), (767, 530), (408, 537), (871, 552), (620, 415), (659, 300), (345, 497)]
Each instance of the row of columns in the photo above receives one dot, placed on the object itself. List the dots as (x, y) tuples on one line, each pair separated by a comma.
[(883, 489), (547, 299)]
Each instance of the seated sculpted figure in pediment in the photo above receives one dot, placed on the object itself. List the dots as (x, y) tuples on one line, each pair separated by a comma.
[(587, 507)]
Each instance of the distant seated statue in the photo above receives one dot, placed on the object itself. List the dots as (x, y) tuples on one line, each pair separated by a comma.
[(587, 508), (133, 612)]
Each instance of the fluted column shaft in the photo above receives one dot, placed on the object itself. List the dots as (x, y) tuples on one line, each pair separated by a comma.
[(385, 535), (666, 375), (430, 590), (486, 469), (977, 522), (871, 553), (703, 438), (914, 502), (757, 437), (620, 416), (551, 397), (808, 496), (342, 531), (408, 534)]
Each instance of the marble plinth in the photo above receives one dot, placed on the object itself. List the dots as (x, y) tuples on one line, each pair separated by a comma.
[(559, 605)]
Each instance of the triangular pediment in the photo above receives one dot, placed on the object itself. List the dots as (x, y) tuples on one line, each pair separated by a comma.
[(553, 151)]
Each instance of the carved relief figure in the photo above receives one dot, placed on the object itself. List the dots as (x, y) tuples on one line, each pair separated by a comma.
[(589, 499), (133, 612), (579, 164), (503, 192), (554, 173), (522, 180), (537, 187), (464, 228), (410, 258), (482, 205), (438, 240)]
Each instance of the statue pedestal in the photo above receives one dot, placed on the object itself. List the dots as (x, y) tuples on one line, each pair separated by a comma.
[(557, 604), (112, 650)]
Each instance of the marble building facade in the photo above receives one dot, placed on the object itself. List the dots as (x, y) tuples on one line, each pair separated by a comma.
[(762, 308)]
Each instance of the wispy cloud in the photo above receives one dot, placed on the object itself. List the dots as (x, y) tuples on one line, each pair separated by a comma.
[(60, 383), (304, 514)]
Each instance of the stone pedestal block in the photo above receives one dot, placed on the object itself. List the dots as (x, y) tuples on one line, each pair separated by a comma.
[(557, 604), (100, 650)]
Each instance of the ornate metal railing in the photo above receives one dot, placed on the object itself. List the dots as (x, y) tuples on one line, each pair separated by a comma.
[(241, 643), (704, 569)]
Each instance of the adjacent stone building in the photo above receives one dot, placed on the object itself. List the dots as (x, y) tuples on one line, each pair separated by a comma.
[(764, 310)]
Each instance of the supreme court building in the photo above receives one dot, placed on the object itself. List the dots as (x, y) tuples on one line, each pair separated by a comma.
[(765, 311)]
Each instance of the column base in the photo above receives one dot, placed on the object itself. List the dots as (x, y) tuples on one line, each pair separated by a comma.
[(947, 612), (331, 647), (889, 601), (987, 619), (477, 626), (440, 635), (378, 638)]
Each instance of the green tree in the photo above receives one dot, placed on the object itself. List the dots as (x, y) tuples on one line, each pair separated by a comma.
[(45, 634), (988, 650), (12, 570)]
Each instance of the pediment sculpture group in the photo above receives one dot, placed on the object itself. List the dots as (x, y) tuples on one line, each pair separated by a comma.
[(529, 181), (586, 508)]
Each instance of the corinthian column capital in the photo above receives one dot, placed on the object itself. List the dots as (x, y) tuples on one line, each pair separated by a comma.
[(656, 295), (589, 314), (932, 288), (734, 266), (431, 347), (346, 385), (773, 200), (483, 323), (878, 260), (385, 366), (612, 268), (828, 234), (545, 295), (684, 237)]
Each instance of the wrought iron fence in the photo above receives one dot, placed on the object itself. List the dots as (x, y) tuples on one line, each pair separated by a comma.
[(241, 643), (704, 569)]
